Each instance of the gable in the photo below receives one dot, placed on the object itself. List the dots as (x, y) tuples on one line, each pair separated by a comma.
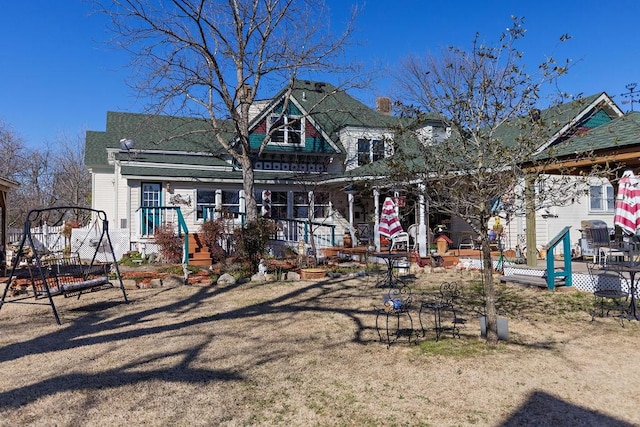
[(620, 134), (578, 117), (313, 140)]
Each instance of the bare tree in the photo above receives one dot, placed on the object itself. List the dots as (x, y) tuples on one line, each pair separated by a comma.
[(29, 168), (489, 103), (71, 178), (36, 183), (210, 58)]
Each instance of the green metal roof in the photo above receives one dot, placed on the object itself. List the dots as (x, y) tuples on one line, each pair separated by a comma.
[(552, 119), (151, 132), (597, 128), (329, 108), (618, 133), (200, 159), (177, 172)]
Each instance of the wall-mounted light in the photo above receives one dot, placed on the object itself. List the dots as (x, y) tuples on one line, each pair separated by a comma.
[(168, 187)]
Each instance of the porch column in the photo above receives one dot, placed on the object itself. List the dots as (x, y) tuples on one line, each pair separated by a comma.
[(350, 199), (423, 243), (376, 219), (218, 202), (290, 202), (243, 206)]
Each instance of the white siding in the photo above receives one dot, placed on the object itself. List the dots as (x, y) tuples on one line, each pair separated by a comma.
[(103, 194), (349, 138)]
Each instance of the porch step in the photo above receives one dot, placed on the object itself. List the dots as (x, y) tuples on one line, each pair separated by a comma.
[(199, 254)]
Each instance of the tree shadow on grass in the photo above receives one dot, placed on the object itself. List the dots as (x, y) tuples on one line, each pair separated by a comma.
[(94, 326), (545, 409), (129, 373)]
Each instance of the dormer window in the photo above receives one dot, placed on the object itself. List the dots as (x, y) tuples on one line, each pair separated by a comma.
[(286, 129), (370, 150)]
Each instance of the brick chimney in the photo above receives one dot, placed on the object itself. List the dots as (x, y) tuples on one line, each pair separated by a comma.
[(383, 105)]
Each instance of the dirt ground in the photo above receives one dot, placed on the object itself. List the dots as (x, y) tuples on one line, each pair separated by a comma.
[(307, 353)]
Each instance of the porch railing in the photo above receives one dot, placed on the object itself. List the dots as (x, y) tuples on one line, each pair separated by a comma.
[(289, 230), (152, 217), (209, 212), (294, 230)]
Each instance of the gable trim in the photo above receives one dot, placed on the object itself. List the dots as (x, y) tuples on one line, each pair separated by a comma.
[(305, 113), (602, 99)]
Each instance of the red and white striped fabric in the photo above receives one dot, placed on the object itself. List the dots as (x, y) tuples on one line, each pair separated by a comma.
[(389, 223), (627, 214)]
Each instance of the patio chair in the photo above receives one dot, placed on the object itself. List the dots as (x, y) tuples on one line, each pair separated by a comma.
[(604, 249), (467, 241), (445, 316), (400, 239), (606, 286), (397, 304), (363, 234)]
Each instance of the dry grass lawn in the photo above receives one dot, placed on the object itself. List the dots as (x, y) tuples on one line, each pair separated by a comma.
[(307, 353)]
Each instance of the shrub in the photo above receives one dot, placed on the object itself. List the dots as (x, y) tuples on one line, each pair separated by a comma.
[(169, 243), (131, 259), (252, 240), (212, 232)]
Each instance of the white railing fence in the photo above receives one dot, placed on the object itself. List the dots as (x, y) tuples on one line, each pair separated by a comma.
[(84, 241)]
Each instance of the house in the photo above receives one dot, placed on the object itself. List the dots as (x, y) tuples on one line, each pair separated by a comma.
[(143, 162), (324, 148)]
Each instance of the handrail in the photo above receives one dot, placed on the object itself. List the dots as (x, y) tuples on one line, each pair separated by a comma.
[(182, 226), (562, 236)]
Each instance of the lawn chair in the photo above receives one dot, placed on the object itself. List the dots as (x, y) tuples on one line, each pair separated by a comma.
[(401, 239), (604, 249), (364, 234)]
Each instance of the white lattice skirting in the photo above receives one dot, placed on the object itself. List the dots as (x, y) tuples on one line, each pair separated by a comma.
[(581, 281)]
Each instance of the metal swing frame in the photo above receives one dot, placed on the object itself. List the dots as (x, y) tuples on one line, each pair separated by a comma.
[(66, 275)]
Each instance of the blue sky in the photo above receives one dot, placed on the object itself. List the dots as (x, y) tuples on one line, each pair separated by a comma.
[(58, 76)]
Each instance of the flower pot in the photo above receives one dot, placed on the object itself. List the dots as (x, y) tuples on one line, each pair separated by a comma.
[(312, 273)]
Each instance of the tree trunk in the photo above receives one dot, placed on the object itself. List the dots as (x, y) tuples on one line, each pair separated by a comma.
[(249, 193), (530, 208), (489, 289)]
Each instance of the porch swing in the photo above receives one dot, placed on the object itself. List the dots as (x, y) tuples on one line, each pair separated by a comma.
[(52, 273)]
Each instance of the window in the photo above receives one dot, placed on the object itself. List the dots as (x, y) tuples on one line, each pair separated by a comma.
[(150, 217), (370, 150), (279, 205), (258, 196), (150, 194), (301, 205), (288, 129), (230, 203), (601, 198), (205, 204), (321, 205)]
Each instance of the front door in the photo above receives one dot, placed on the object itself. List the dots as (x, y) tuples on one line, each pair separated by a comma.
[(151, 214)]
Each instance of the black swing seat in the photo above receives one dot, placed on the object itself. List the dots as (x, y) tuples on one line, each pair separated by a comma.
[(67, 276)]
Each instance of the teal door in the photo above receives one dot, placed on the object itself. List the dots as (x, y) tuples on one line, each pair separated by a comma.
[(151, 213)]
